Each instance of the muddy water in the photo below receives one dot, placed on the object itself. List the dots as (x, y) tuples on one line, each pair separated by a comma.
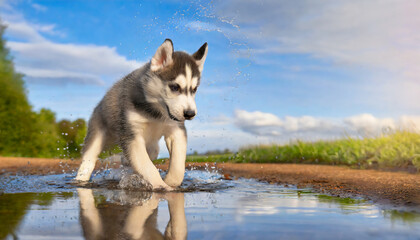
[(208, 207)]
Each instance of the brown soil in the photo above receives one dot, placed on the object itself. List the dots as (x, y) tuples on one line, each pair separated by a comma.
[(396, 188), (39, 166)]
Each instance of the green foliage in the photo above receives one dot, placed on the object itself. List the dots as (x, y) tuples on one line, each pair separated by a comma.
[(16, 116), (24, 132), (110, 151), (399, 149), (71, 137), (44, 135)]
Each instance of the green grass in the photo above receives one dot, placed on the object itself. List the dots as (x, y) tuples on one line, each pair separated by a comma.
[(211, 158), (400, 149)]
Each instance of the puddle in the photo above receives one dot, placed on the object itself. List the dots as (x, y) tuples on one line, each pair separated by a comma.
[(208, 207)]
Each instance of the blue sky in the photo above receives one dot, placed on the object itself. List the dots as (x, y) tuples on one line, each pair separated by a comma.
[(276, 70)]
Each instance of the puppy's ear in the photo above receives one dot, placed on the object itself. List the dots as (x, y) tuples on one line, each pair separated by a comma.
[(163, 56), (200, 56)]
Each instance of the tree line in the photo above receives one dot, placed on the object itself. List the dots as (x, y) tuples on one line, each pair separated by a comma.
[(28, 133)]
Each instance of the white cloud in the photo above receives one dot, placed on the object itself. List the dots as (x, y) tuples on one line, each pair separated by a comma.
[(380, 36), (379, 33), (308, 127), (45, 61), (83, 62), (49, 29), (58, 77), (410, 122), (368, 124), (22, 30), (267, 124), (39, 7)]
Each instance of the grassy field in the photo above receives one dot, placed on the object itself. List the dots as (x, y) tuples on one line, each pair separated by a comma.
[(395, 150)]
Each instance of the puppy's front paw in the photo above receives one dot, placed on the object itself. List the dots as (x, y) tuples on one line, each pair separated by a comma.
[(82, 178), (173, 182)]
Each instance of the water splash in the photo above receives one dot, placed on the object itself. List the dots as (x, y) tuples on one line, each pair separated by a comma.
[(134, 182), (121, 178)]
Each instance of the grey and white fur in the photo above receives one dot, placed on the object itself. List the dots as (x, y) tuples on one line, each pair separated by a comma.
[(150, 102)]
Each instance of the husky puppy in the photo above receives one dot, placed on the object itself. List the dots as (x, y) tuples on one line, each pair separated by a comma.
[(151, 102)]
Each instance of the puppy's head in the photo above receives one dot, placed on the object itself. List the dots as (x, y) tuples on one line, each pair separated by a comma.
[(179, 75)]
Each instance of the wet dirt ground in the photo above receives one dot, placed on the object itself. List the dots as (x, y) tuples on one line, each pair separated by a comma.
[(398, 189)]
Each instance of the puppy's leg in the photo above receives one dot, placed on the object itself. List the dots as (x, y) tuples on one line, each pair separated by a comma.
[(93, 146), (135, 224), (177, 225), (90, 213), (136, 152), (176, 142)]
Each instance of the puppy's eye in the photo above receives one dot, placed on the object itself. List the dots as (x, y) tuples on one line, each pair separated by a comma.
[(194, 90), (174, 87)]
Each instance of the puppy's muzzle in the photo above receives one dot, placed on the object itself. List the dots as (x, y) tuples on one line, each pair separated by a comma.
[(189, 114)]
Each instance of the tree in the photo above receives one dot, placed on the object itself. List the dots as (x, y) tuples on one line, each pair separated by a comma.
[(45, 137), (16, 116), (24, 132), (71, 137)]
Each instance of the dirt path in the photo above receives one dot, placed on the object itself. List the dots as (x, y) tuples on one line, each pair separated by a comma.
[(397, 188), (39, 166)]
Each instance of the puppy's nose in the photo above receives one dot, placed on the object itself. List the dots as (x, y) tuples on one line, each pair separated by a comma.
[(189, 114)]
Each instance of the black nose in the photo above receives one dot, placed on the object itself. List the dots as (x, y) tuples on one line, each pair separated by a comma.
[(189, 114)]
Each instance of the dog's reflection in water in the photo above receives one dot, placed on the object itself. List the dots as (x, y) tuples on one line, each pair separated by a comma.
[(133, 216)]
